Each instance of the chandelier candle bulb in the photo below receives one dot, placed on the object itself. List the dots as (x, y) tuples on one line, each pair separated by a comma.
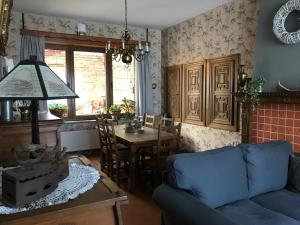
[(123, 44), (140, 45)]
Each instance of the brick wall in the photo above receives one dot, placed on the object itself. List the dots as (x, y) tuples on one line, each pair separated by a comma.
[(276, 122)]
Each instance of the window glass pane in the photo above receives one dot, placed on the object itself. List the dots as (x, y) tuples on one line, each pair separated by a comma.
[(56, 60), (123, 81), (90, 82)]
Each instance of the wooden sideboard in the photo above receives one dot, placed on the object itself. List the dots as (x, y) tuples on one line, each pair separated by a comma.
[(14, 134)]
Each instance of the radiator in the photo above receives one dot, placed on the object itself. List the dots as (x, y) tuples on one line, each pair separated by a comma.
[(80, 140)]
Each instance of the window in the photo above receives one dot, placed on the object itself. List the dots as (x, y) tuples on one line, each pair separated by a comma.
[(90, 82), (56, 60), (90, 73), (123, 81)]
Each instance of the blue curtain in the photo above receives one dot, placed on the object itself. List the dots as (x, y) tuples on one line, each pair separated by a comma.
[(34, 46), (144, 96)]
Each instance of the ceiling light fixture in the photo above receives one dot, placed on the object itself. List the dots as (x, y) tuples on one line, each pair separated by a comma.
[(127, 50)]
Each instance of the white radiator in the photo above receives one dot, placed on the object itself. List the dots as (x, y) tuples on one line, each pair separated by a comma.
[(80, 140)]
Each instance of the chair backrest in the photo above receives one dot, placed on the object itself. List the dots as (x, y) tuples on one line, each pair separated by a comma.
[(102, 131), (167, 122), (149, 121), (168, 141), (111, 136)]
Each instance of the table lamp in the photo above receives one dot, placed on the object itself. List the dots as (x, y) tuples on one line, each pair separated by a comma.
[(33, 80)]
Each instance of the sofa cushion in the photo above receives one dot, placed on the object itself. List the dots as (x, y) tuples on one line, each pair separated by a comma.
[(267, 166), (247, 212), (215, 177), (283, 201), (294, 175)]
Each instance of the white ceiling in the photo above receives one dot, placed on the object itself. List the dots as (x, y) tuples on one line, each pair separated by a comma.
[(146, 13)]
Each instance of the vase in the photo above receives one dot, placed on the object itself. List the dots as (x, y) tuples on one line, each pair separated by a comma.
[(7, 111), (25, 113), (129, 128)]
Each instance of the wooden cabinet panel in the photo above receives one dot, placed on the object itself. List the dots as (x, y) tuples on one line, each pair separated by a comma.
[(18, 134), (173, 80), (222, 111), (193, 93)]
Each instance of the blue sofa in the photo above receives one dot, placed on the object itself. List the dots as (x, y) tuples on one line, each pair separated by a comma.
[(243, 185)]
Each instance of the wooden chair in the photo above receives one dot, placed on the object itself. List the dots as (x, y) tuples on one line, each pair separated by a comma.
[(105, 154), (168, 143), (149, 121), (119, 154), (167, 122)]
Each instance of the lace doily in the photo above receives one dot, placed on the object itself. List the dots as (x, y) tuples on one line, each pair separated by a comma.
[(80, 179)]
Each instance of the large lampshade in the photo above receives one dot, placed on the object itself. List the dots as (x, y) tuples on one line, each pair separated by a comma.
[(33, 80)]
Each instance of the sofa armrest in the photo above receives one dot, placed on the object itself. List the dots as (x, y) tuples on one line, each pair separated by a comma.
[(294, 175), (185, 209)]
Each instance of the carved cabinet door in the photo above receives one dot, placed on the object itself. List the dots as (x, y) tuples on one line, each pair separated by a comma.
[(222, 110), (193, 100), (173, 79)]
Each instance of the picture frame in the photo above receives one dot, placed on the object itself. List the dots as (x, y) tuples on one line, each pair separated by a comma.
[(5, 11)]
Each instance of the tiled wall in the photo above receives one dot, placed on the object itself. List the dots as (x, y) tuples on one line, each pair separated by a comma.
[(276, 122)]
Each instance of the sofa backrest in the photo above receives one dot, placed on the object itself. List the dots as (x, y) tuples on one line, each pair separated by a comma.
[(267, 166), (215, 177)]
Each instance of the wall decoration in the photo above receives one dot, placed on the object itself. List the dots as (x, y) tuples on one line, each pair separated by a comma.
[(279, 23), (5, 9), (226, 30)]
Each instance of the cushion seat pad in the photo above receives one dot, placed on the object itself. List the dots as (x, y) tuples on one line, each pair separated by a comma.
[(247, 212), (283, 201)]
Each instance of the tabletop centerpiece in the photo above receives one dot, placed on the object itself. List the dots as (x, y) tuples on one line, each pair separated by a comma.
[(128, 109)]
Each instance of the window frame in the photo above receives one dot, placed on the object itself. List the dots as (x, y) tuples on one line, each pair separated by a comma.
[(70, 75)]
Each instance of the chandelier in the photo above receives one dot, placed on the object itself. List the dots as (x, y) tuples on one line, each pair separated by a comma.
[(126, 50)]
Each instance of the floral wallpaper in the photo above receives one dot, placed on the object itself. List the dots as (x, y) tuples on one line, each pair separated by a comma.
[(225, 30), (66, 25)]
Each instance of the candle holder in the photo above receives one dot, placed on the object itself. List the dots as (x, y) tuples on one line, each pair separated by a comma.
[(243, 77)]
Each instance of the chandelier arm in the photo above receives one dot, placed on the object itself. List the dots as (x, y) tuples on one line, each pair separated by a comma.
[(125, 14)]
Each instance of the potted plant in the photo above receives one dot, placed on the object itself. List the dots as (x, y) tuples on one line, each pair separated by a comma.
[(58, 109), (128, 109), (115, 111), (252, 91)]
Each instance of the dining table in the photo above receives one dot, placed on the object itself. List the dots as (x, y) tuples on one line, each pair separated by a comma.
[(135, 141)]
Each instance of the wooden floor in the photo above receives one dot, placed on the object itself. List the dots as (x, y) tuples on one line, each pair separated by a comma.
[(140, 210)]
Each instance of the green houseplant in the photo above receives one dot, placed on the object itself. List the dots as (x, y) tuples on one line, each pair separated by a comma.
[(115, 111), (128, 108), (252, 91), (58, 109)]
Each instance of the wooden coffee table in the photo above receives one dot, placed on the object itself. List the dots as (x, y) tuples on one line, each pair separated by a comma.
[(98, 206)]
